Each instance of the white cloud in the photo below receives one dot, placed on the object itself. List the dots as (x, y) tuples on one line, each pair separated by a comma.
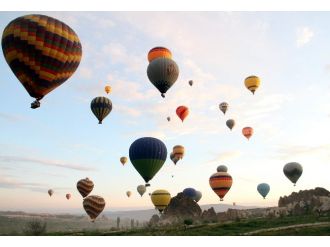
[(304, 36)]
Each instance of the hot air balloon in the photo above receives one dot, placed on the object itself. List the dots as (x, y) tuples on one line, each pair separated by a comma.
[(128, 193), (101, 107), (163, 73), (191, 82), (42, 52), (234, 203), (263, 189), (141, 189), (50, 192), (168, 119), (220, 183), (148, 155), (157, 52), (223, 107), (252, 83), (189, 192), (107, 89), (182, 112), (68, 196), (85, 186), (173, 158), (160, 199), (178, 151), (293, 171), (123, 160), (230, 123), (222, 168), (198, 196), (93, 206), (247, 132)]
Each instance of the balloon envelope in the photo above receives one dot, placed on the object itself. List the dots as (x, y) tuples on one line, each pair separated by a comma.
[(85, 186), (93, 206), (178, 151), (222, 168), (182, 112), (50, 192), (230, 123), (42, 52), (221, 183), (68, 196), (160, 199), (147, 154), (107, 89), (157, 52), (293, 171), (101, 107), (191, 82), (247, 132), (223, 107), (141, 189), (252, 83), (163, 73), (128, 193), (263, 189), (198, 196), (190, 192), (123, 160)]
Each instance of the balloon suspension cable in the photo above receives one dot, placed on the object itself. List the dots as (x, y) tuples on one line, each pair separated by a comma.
[(221, 199), (147, 185)]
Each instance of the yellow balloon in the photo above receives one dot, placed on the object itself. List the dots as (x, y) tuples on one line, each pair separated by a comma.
[(178, 151), (252, 83), (160, 199), (123, 160), (108, 89)]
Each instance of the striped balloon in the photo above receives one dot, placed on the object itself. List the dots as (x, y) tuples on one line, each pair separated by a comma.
[(93, 206), (157, 52), (220, 183), (160, 199), (252, 83), (85, 186), (163, 73), (223, 107), (42, 52), (182, 112), (148, 155), (101, 107)]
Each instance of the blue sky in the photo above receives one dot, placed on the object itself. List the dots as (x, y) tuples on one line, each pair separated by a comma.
[(61, 142)]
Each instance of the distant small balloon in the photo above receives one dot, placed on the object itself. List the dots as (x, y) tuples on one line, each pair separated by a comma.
[(230, 123), (252, 83), (182, 112), (222, 168), (293, 171), (247, 132), (191, 82), (223, 107), (168, 119), (68, 196), (107, 89), (141, 189), (263, 189), (50, 192), (123, 160), (128, 193)]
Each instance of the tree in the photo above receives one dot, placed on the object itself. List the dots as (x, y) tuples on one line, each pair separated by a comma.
[(132, 223), (35, 227), (118, 222)]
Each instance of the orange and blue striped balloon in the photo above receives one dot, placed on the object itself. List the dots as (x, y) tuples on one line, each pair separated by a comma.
[(221, 183)]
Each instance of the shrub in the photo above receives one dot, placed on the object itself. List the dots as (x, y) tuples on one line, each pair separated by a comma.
[(188, 222), (35, 227)]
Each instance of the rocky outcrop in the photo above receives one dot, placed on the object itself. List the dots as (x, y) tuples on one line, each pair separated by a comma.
[(154, 220), (306, 202), (209, 215), (182, 207)]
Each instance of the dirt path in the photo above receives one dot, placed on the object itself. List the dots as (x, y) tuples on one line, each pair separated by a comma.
[(288, 227)]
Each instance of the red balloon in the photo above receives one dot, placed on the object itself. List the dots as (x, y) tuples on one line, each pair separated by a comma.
[(247, 132), (182, 112)]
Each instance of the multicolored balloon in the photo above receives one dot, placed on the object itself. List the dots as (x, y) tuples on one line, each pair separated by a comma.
[(247, 132), (223, 107), (163, 73), (252, 83), (148, 155), (178, 151), (158, 52), (50, 192), (123, 160), (221, 183), (108, 89), (101, 107), (68, 196), (141, 189), (42, 52), (263, 189), (85, 186), (93, 206), (160, 199), (293, 171), (182, 112), (230, 123)]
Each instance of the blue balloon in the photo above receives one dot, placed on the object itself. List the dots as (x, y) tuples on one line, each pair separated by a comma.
[(190, 192), (147, 155), (263, 189)]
